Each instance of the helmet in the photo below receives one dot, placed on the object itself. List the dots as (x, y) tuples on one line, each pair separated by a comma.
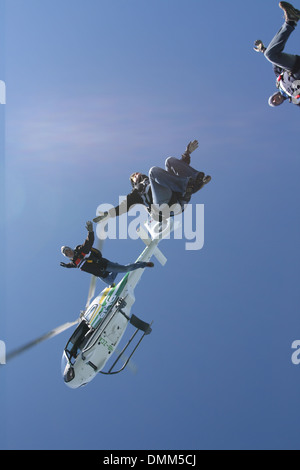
[(133, 183), (64, 249), (276, 99)]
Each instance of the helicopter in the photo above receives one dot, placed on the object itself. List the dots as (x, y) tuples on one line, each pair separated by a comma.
[(105, 318)]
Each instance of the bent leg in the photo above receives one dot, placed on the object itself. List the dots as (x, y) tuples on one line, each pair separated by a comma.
[(180, 168), (163, 184), (274, 52)]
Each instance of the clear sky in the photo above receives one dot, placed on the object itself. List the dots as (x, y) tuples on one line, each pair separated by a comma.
[(97, 89)]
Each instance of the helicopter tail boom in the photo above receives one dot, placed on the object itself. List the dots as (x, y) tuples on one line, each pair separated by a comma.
[(147, 240)]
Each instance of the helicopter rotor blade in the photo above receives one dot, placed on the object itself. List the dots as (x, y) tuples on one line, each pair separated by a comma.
[(91, 291), (60, 329), (99, 246), (31, 344)]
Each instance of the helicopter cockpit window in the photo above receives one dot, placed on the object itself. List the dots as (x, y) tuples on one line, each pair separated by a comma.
[(89, 313), (69, 375), (67, 370), (77, 341)]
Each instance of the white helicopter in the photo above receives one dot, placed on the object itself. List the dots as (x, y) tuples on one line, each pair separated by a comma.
[(104, 321)]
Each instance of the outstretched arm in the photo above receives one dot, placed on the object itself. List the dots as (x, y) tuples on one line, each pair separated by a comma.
[(131, 200), (191, 146), (68, 265), (88, 243)]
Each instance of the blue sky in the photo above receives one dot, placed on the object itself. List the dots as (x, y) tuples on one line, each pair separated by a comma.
[(95, 91)]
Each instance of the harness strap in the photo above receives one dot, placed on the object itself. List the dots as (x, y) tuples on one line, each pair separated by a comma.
[(281, 87), (81, 258)]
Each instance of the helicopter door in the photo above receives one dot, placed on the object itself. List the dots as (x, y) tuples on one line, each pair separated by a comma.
[(77, 341)]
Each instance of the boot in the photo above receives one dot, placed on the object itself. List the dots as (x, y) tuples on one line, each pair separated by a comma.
[(290, 13)]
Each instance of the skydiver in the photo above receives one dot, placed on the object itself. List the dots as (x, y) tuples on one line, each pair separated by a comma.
[(90, 260), (171, 186), (286, 66)]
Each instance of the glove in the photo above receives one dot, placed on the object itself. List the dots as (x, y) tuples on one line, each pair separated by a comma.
[(189, 149), (64, 265), (89, 226), (259, 46), (192, 146), (100, 217)]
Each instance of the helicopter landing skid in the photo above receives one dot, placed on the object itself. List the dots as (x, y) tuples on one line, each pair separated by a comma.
[(140, 325)]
